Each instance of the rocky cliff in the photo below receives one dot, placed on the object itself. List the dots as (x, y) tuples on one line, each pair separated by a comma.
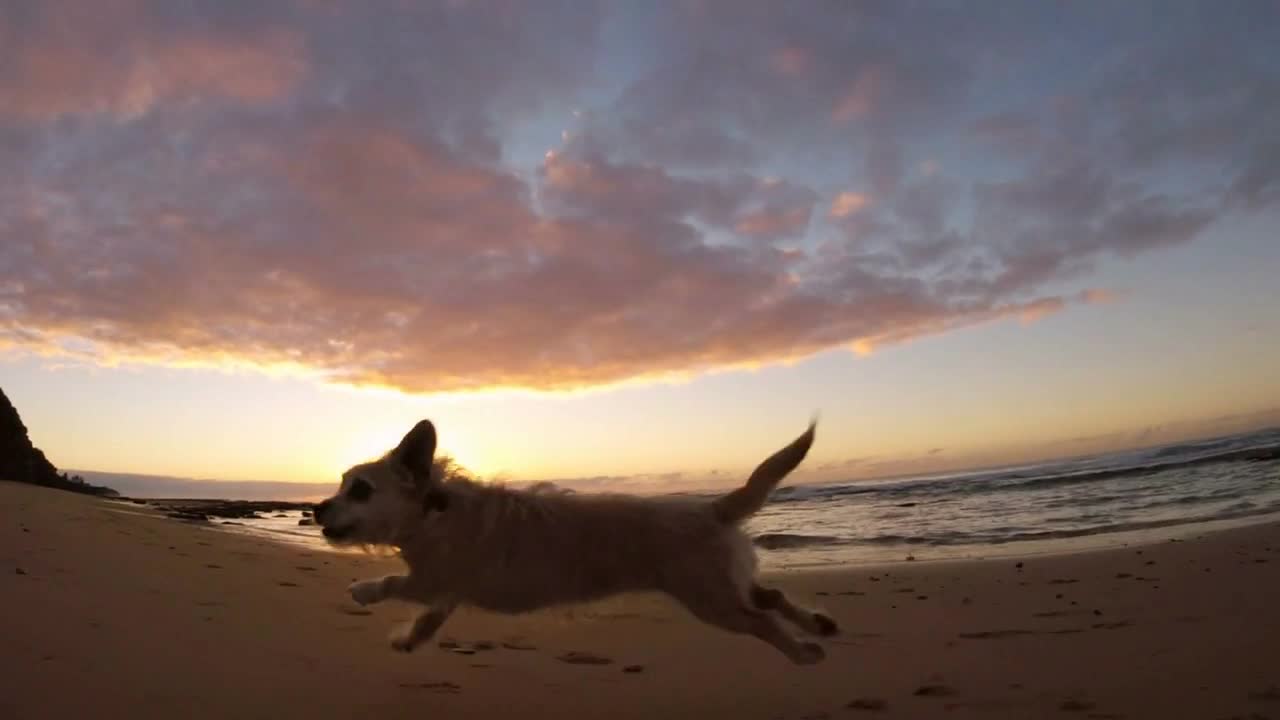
[(22, 462)]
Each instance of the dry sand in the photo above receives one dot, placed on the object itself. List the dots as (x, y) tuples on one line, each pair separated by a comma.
[(122, 614)]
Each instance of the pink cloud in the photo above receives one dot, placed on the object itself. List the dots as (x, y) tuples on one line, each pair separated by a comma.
[(68, 58), (790, 61), (867, 90), (847, 203)]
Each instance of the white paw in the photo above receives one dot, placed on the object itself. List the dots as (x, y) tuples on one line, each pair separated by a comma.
[(365, 592), (402, 638), (809, 654)]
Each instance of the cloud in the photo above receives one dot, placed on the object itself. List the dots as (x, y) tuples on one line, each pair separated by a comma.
[(848, 203), (371, 196), (119, 58)]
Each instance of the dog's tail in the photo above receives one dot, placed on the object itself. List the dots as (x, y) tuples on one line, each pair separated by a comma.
[(747, 500)]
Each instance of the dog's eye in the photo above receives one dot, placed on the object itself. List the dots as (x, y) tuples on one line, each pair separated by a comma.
[(359, 490)]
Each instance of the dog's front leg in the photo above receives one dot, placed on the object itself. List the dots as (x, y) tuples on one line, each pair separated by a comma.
[(422, 627), (367, 592)]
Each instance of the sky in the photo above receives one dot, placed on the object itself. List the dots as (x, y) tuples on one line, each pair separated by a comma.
[(635, 245)]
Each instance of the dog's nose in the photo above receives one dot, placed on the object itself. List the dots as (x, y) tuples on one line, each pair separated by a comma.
[(318, 511)]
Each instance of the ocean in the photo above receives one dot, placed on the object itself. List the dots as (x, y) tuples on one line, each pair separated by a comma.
[(1113, 499)]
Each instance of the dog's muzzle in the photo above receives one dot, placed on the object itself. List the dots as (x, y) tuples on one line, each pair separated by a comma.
[(335, 533), (330, 532)]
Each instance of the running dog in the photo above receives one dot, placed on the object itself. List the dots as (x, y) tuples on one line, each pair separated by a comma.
[(511, 550)]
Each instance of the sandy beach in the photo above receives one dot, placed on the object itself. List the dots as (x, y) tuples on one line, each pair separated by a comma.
[(114, 611)]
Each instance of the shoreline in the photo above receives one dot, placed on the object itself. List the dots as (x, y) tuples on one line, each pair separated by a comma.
[(121, 613), (774, 559)]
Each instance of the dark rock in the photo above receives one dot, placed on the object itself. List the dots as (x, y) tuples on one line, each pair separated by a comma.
[(19, 571), (633, 669), (306, 521), (872, 704), (231, 509)]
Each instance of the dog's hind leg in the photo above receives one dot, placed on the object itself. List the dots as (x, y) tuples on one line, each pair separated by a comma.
[(421, 628), (808, 620), (726, 609)]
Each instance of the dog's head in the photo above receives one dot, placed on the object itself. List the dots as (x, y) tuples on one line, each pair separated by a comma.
[(378, 500)]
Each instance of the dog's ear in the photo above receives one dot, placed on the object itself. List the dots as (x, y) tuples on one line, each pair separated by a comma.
[(417, 451)]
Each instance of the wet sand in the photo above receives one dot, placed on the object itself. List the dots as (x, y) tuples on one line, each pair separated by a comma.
[(111, 611)]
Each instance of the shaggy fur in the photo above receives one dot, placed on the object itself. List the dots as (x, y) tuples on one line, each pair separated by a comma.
[(511, 551)]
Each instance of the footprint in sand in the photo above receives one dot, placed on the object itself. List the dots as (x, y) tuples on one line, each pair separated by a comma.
[(443, 687), (867, 704), (575, 657), (934, 691), (1270, 694), (454, 647), (995, 634)]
